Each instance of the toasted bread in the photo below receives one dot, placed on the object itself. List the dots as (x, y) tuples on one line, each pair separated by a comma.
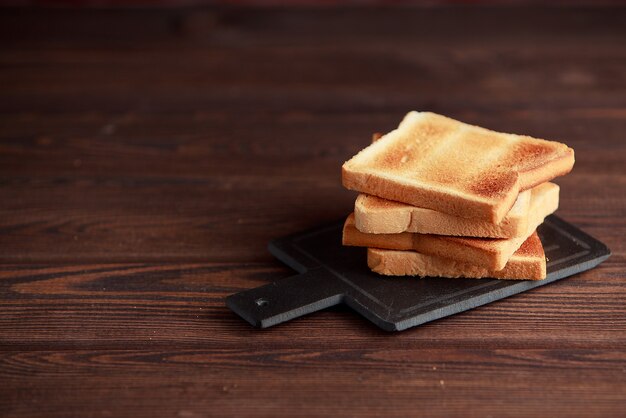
[(375, 215), (527, 263), (434, 162), (491, 253)]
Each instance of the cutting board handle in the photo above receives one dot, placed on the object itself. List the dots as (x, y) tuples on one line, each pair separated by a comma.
[(288, 298)]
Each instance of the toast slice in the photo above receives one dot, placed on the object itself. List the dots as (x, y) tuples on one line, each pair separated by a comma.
[(491, 253), (527, 263), (434, 162), (375, 215)]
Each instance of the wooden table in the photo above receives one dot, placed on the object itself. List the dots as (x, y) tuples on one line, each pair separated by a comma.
[(147, 157)]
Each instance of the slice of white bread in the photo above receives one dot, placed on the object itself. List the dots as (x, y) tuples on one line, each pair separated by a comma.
[(375, 215), (491, 253), (527, 263), (434, 162)]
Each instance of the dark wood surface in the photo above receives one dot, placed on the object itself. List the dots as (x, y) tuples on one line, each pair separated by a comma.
[(147, 157)]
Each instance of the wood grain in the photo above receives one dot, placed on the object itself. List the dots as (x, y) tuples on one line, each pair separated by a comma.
[(148, 156), (87, 335)]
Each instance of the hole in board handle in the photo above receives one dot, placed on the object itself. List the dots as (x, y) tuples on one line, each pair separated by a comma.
[(261, 302)]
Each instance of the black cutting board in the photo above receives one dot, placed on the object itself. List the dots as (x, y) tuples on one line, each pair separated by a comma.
[(330, 274)]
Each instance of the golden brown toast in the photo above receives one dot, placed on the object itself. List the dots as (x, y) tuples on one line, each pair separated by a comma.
[(491, 253), (527, 263), (434, 162), (375, 215)]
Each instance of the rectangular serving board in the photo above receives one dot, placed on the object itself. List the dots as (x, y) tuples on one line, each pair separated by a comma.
[(330, 274)]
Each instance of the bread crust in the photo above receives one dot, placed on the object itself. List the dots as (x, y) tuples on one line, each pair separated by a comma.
[(374, 215), (489, 253), (528, 263), (437, 163), (440, 200), (555, 168)]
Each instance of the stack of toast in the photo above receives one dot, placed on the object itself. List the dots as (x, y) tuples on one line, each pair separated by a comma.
[(442, 198)]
